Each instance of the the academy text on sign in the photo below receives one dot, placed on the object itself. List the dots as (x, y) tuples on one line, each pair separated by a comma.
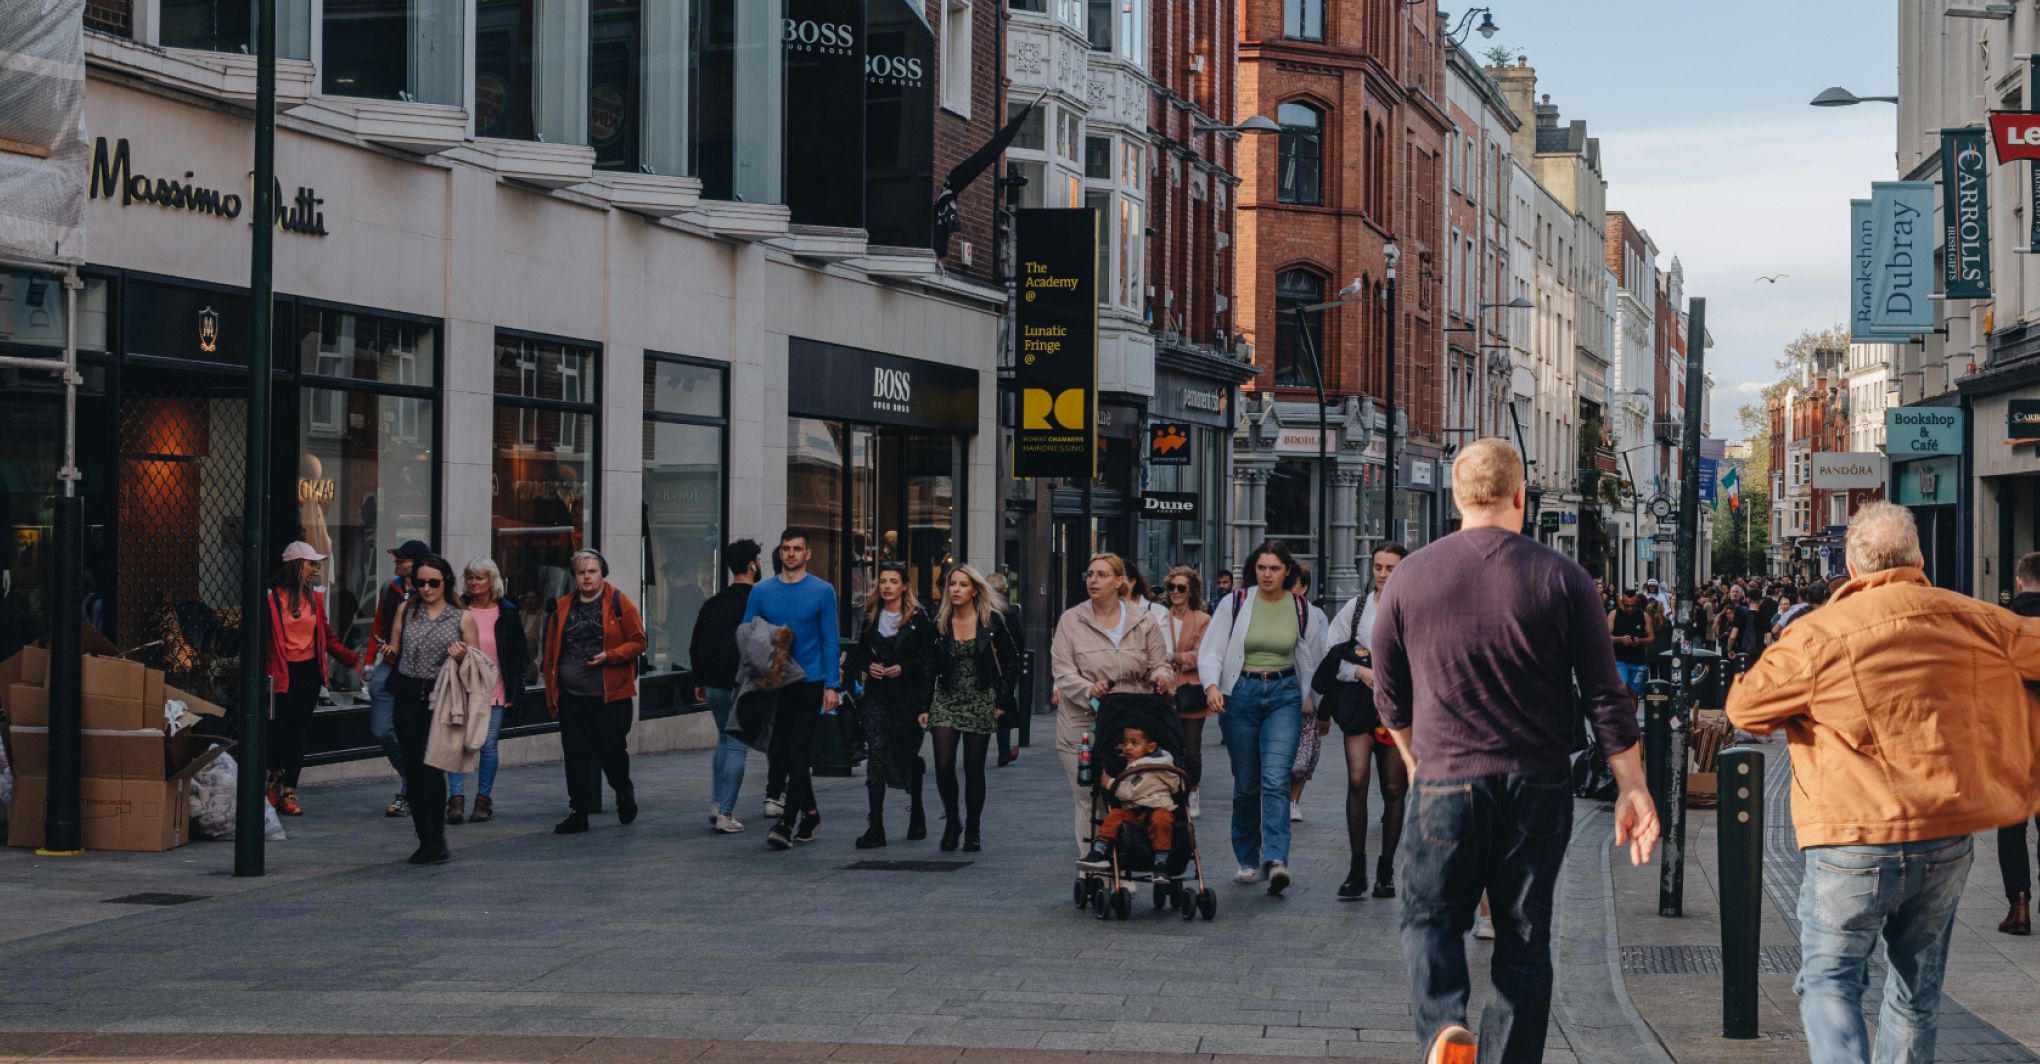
[(1056, 364)]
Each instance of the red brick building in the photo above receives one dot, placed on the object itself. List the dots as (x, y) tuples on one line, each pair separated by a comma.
[(968, 34)]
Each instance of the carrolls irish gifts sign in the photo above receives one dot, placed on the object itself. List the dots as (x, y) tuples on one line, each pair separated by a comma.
[(1056, 363), (1965, 215)]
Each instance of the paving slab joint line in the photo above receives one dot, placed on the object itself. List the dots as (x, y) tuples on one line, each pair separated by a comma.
[(1650, 1048)]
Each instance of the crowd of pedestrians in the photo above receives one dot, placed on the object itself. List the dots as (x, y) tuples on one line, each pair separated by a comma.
[(1461, 681)]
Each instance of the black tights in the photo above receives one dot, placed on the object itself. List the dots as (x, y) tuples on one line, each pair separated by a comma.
[(1193, 749), (974, 747), (1362, 752)]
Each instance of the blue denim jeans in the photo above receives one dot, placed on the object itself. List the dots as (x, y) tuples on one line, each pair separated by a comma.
[(382, 718), (486, 785), (730, 754), (1633, 676), (1261, 725), (1904, 893), (1504, 835)]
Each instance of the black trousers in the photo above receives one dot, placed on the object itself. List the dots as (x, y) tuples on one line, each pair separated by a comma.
[(293, 720), (793, 734), (425, 785), (2014, 861), (592, 734)]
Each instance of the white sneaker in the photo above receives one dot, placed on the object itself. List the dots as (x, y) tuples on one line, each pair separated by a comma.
[(1278, 877), (1295, 815), (774, 808), (1483, 926), (727, 825), (1193, 805), (1246, 874)]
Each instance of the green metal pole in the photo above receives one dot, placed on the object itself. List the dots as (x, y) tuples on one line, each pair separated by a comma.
[(254, 708)]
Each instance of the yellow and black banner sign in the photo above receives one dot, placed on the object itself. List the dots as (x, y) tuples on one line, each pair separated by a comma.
[(1056, 365)]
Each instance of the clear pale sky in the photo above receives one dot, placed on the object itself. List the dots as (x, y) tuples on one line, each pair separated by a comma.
[(1709, 145)]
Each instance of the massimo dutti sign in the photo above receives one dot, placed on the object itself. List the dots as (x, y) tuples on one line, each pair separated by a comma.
[(113, 177), (1965, 215), (1902, 215), (824, 46), (1056, 329)]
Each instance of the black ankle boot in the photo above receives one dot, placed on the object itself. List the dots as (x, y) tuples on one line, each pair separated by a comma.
[(1355, 886), (917, 818), (972, 842), (950, 834), (873, 837), (1384, 877)]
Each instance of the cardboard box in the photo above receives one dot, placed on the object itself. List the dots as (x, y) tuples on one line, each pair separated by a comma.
[(29, 668), (115, 695), (27, 706), (136, 791)]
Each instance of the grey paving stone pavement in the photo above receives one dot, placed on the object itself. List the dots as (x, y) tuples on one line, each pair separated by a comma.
[(661, 930)]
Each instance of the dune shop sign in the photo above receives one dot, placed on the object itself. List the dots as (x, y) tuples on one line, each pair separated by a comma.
[(1965, 215), (115, 177), (1169, 505), (1902, 256), (1056, 328)]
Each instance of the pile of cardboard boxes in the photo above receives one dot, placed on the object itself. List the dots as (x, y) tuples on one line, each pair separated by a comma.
[(138, 759)]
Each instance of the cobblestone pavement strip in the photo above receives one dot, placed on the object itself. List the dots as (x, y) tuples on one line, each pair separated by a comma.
[(662, 930)]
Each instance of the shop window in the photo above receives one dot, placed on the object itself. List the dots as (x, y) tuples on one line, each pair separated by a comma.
[(816, 490), (33, 313), (737, 91), (685, 450), (532, 70), (393, 49), (1098, 158), (1303, 20), (1292, 505), (363, 347), (1301, 155), (956, 52), (229, 26), (545, 472), (31, 450), (1296, 288)]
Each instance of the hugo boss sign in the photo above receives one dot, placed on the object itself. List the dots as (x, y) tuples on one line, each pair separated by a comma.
[(823, 41)]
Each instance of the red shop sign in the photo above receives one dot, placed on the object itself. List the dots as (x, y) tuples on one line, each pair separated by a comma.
[(2017, 134)]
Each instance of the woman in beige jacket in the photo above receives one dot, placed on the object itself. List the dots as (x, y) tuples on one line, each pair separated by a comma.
[(1101, 646)]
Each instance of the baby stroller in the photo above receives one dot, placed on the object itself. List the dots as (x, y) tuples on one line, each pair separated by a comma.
[(1111, 894)]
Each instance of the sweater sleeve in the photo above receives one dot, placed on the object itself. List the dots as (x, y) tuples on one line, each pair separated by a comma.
[(1062, 662), (1392, 696), (1211, 652), (1604, 699), (832, 648)]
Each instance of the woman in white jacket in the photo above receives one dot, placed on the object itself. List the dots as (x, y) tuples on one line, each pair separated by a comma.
[(1256, 661)]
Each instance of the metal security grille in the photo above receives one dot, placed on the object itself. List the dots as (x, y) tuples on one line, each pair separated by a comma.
[(111, 16), (180, 503)]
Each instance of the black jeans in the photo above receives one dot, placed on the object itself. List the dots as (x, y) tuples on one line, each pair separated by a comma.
[(425, 785), (1507, 836), (293, 719), (793, 734), (592, 734), (2013, 862)]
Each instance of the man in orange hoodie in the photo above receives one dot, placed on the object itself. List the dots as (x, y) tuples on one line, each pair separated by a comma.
[(1910, 727)]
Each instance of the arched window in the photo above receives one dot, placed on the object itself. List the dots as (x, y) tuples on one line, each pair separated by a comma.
[(1302, 157), (1297, 288)]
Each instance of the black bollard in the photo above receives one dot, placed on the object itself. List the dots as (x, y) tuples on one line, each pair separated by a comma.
[(1741, 871), (1657, 739)]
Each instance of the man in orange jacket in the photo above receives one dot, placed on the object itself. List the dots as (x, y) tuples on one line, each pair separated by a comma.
[(1910, 727)]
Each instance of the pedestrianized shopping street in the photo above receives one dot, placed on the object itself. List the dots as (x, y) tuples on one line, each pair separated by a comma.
[(661, 941)]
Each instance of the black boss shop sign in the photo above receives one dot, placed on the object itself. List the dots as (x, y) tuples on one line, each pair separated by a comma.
[(851, 384)]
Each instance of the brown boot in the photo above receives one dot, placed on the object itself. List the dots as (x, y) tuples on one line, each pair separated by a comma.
[(2020, 920), (485, 810), (456, 809)]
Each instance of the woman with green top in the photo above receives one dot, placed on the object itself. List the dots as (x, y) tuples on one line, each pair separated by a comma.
[(1255, 660), (974, 661)]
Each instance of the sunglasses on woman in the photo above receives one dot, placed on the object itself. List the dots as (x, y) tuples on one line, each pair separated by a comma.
[(1184, 588), (430, 583)]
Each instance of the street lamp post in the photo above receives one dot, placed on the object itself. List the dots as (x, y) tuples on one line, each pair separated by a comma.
[(1348, 294), (1393, 255), (249, 797)]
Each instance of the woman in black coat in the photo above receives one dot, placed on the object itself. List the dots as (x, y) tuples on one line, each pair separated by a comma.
[(891, 659)]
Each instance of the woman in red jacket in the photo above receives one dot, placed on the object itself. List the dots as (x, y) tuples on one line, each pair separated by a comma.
[(299, 641)]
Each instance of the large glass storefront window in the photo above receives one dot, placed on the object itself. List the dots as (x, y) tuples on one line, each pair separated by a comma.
[(542, 491), (393, 49), (31, 451), (866, 495), (531, 70), (685, 443), (738, 95), (366, 436)]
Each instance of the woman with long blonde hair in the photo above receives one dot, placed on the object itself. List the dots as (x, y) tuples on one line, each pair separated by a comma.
[(1101, 645), (974, 660), (891, 657)]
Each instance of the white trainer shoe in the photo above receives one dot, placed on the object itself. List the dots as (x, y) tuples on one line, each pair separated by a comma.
[(1246, 874), (727, 825), (774, 808), (1295, 815)]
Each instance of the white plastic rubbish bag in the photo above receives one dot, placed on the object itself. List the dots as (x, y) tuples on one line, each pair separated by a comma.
[(212, 804)]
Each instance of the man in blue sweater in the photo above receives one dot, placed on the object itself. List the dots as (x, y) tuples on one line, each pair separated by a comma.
[(806, 603)]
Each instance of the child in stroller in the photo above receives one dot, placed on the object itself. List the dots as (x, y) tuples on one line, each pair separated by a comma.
[(1143, 832)]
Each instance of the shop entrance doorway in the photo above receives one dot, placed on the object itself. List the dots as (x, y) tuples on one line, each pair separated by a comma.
[(870, 494)]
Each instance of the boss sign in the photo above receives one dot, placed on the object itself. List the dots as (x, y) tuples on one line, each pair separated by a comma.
[(2017, 135)]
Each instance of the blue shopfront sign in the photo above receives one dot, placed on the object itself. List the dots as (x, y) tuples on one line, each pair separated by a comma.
[(1710, 468), (1923, 431)]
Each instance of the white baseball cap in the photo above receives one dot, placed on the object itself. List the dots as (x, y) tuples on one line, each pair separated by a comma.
[(300, 551)]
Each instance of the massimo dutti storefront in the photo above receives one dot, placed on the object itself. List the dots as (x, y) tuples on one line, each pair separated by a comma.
[(499, 367)]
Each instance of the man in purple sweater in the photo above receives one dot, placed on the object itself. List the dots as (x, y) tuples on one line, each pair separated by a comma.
[(1478, 645)]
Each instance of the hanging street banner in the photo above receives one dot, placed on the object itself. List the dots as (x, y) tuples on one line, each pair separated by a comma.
[(1965, 215), (1708, 468), (1863, 277), (1056, 329), (1902, 256)]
